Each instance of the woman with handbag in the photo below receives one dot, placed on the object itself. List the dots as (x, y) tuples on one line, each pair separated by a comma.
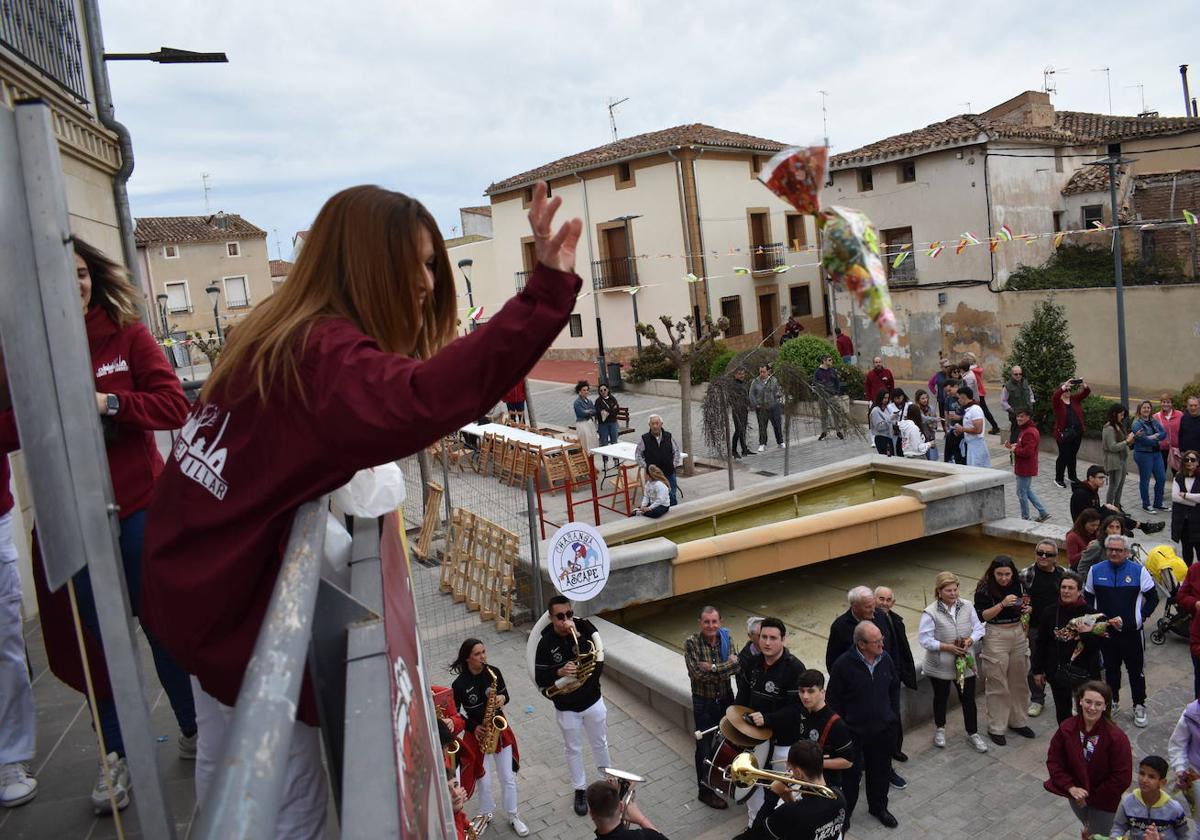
[(1090, 760), (606, 418), (1185, 506), (930, 423), (1067, 403), (1062, 657)]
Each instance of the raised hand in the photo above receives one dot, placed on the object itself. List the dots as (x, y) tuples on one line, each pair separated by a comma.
[(553, 250)]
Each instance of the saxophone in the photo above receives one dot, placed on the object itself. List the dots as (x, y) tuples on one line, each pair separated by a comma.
[(488, 732)]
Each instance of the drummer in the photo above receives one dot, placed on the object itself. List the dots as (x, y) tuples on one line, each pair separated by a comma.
[(771, 690)]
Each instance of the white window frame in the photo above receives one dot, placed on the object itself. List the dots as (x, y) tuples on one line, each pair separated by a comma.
[(187, 296), (225, 289), (237, 248), (167, 256)]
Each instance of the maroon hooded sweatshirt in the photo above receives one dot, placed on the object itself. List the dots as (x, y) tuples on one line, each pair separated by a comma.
[(219, 523), (6, 496)]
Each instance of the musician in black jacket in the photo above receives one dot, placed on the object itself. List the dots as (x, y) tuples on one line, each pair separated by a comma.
[(578, 710), (772, 690), (657, 447)]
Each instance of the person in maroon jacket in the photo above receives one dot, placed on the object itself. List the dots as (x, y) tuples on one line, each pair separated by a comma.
[(136, 394), (1188, 598), (1090, 760), (1067, 403), (878, 379), (348, 365), (1025, 464)]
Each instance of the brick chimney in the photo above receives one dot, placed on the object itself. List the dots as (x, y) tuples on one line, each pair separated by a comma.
[(1030, 108)]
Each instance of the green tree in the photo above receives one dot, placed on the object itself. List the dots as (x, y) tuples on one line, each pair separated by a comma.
[(1045, 353)]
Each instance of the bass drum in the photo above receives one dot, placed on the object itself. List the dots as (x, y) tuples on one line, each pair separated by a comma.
[(723, 754)]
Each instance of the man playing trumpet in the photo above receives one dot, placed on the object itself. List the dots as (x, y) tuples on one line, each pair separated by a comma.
[(617, 818), (575, 691), (800, 816)]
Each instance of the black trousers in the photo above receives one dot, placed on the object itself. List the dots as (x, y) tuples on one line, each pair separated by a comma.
[(708, 713), (966, 698), (1036, 695), (872, 756), (740, 422), (954, 449), (885, 445), (1014, 431), (1125, 647), (1065, 463), (987, 412)]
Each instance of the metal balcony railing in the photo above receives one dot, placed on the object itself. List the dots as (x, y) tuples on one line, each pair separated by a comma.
[(616, 273), (766, 257), (522, 278), (46, 34)]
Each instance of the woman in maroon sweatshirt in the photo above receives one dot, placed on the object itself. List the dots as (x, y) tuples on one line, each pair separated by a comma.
[(347, 366), (136, 394)]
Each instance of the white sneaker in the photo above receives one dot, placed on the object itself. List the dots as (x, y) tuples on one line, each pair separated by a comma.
[(939, 737), (16, 785), (116, 780), (1139, 717), (1115, 710), (783, 446), (1034, 709), (187, 746), (762, 447), (977, 742), (518, 826)]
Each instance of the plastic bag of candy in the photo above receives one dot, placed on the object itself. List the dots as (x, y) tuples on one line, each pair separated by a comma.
[(796, 175), (850, 253)]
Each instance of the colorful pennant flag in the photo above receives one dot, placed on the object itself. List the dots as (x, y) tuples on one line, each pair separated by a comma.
[(992, 243), (1189, 217), (737, 269), (691, 278), (970, 238), (475, 314), (1099, 225), (900, 258), (962, 243), (780, 269), (1005, 233), (1058, 239), (935, 249)]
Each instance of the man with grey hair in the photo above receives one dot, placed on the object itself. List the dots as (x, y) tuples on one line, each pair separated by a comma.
[(657, 447), (1041, 580), (710, 660), (864, 689), (749, 650), (1124, 591)]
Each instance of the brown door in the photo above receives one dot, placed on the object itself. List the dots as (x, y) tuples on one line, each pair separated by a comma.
[(616, 267), (758, 238), (528, 256), (766, 318)]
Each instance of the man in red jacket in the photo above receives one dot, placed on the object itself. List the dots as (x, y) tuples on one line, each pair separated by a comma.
[(1187, 598), (878, 379), (1025, 464)]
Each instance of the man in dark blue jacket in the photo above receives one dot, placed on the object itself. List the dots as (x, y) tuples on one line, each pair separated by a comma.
[(1123, 589), (864, 688)]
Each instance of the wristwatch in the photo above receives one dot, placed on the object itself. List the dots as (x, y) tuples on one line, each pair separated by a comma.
[(113, 406)]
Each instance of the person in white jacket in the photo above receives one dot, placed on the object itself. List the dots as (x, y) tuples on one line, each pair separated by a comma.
[(912, 436), (656, 499), (1183, 754)]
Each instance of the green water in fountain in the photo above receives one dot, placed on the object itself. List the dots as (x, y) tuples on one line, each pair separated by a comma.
[(855, 491), (808, 599)]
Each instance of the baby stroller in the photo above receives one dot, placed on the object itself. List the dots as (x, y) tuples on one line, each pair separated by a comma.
[(1168, 570)]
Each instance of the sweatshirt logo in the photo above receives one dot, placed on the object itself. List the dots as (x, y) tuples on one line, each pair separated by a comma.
[(117, 365), (199, 459)]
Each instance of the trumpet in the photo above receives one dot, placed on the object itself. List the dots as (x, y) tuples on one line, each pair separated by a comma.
[(744, 772), (585, 665), (478, 825), (626, 785)]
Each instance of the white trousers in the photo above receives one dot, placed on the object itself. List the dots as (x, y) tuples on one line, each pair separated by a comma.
[(594, 719), (501, 768), (16, 695), (764, 754), (302, 811)]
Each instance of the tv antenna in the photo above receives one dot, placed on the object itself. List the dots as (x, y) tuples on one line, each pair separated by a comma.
[(1142, 92), (278, 250), (825, 115), (612, 117), (1048, 83), (968, 104), (204, 176), (1108, 78)]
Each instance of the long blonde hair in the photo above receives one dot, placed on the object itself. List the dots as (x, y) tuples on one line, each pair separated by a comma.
[(360, 261)]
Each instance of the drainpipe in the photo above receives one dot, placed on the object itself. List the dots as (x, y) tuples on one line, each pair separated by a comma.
[(687, 240), (105, 111), (1187, 96), (601, 368), (700, 233), (987, 192)]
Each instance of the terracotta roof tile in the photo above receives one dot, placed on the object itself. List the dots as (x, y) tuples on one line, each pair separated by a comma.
[(153, 230), (280, 268), (484, 210), (1089, 179), (696, 134)]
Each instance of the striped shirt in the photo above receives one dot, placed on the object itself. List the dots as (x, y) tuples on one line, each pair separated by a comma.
[(714, 684)]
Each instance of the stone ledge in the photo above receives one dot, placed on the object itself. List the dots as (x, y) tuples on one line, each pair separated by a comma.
[(1023, 530)]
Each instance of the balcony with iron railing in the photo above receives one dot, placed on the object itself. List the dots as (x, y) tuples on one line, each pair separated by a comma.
[(522, 277), (902, 275), (615, 273), (46, 34), (766, 257)]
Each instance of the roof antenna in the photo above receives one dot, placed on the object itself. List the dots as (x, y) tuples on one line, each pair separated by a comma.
[(612, 118), (1048, 83), (968, 104), (1108, 77), (204, 176), (825, 115), (1141, 90), (278, 250)]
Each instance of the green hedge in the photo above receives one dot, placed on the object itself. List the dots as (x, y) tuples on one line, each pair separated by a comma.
[(1084, 267), (653, 364), (807, 351)]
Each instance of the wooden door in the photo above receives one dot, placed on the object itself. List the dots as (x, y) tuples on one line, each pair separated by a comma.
[(616, 247), (766, 318)]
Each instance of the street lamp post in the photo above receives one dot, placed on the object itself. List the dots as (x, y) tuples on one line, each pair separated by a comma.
[(1113, 162), (214, 294)]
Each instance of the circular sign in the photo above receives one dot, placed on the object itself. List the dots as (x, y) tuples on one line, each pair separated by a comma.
[(578, 561)]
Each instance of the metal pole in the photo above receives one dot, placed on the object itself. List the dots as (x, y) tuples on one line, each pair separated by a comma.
[(787, 441), (728, 449), (446, 479), (637, 336), (1120, 284), (535, 563)]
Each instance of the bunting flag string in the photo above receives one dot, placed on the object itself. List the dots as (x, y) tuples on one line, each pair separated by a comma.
[(1189, 217)]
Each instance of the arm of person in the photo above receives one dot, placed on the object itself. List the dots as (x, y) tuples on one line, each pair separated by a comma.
[(1183, 497), (1004, 398), (157, 401), (977, 626), (925, 634), (1056, 765), (837, 644), (1179, 745), (1120, 768), (502, 688), (545, 669), (985, 608), (460, 706), (1120, 823), (676, 457), (639, 453), (1189, 591), (840, 756), (1149, 594), (693, 662)]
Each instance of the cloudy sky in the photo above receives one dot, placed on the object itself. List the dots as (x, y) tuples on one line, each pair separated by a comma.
[(440, 99)]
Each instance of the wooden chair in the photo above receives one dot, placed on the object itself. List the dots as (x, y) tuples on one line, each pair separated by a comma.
[(433, 506), (579, 463), (508, 458), (461, 551), (554, 462), (484, 460), (623, 427)]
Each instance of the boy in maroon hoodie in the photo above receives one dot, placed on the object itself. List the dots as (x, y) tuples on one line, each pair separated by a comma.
[(1025, 464)]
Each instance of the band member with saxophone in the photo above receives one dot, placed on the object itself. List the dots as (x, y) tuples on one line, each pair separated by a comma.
[(578, 705), (480, 692), (799, 816), (772, 689), (617, 818)]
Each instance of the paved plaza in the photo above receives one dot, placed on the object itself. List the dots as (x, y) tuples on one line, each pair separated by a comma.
[(952, 792)]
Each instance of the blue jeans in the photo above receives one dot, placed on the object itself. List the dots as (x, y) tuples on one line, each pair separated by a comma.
[(931, 454), (608, 432), (174, 681), (1150, 463), (674, 489), (1025, 496)]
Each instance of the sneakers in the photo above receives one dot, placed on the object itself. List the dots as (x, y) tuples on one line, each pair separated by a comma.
[(1035, 709), (1139, 717), (187, 746), (783, 446), (998, 740), (939, 737), (581, 803), (1043, 517), (762, 447), (823, 435), (1153, 527), (840, 436), (1060, 483), (1115, 709), (518, 825), (898, 781), (977, 742), (115, 780), (16, 785), (1148, 509), (1160, 509), (1023, 731)]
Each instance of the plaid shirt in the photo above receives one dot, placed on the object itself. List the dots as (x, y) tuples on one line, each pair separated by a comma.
[(714, 684)]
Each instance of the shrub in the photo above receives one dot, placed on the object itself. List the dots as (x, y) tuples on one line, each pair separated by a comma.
[(654, 364), (1095, 413), (705, 361), (1190, 390), (721, 364), (1084, 266), (806, 351)]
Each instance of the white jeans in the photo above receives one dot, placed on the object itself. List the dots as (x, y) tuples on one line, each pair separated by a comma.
[(501, 767), (595, 720), (302, 811), (764, 754), (16, 695)]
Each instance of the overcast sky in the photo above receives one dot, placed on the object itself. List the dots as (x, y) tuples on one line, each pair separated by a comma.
[(440, 99)]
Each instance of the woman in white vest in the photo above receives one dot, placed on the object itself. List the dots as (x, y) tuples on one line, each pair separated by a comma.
[(948, 631)]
